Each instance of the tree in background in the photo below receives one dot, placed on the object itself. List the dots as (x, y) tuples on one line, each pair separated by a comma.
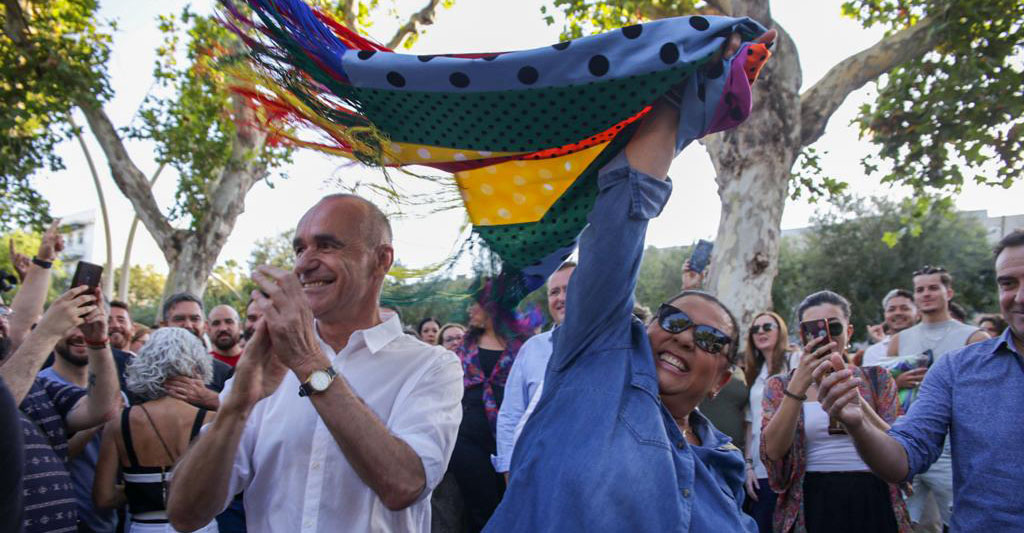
[(948, 108), (54, 57), (145, 294), (847, 255)]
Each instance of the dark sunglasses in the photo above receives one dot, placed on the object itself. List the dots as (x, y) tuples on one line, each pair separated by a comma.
[(835, 327), (766, 327), (707, 338)]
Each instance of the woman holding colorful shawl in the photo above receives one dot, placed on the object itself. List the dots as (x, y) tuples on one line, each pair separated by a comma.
[(616, 442)]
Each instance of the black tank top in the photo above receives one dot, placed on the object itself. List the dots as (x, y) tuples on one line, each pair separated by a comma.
[(145, 487)]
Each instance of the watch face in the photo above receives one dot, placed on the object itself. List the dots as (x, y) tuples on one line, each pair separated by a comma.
[(320, 380)]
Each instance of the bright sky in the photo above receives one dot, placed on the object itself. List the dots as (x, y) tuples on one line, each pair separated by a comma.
[(823, 39)]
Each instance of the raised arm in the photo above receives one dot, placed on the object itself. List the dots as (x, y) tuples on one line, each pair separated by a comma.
[(64, 313), (203, 477), (104, 389), (28, 303), (385, 462)]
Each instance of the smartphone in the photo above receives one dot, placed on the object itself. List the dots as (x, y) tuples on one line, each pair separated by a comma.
[(87, 274), (701, 255), (815, 329)]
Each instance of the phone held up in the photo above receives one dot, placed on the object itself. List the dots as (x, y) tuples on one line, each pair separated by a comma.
[(701, 256), (815, 329), (88, 274)]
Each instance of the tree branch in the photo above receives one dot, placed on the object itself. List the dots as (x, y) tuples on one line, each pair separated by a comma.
[(244, 169), (417, 20), (348, 10), (820, 101), (129, 179)]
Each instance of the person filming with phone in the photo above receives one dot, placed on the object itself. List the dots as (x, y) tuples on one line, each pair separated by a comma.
[(823, 484), (974, 394)]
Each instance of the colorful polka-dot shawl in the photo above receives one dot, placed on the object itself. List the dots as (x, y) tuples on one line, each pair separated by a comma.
[(524, 133)]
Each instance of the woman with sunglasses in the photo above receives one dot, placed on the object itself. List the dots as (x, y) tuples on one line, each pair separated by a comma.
[(615, 442), (823, 484), (767, 354)]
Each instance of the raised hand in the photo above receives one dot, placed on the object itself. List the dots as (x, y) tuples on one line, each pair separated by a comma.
[(52, 243), (691, 278), (20, 262), (838, 392), (876, 332), (68, 311), (813, 353), (259, 371), (289, 320), (94, 327)]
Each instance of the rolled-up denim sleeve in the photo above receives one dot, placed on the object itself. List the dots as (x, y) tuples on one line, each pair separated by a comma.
[(922, 431), (600, 295)]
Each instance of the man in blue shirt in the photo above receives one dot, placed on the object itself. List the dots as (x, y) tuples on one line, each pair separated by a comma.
[(526, 379), (975, 394)]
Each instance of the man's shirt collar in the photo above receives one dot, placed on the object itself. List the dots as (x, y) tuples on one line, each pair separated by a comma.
[(1006, 339), (373, 339)]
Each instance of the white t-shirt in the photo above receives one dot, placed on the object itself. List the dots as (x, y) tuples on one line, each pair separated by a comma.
[(877, 352), (755, 411), (828, 453)]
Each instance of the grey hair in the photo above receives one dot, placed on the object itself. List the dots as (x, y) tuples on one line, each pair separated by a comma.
[(900, 293), (170, 352)]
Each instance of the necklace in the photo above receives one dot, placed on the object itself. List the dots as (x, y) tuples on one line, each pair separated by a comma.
[(932, 340)]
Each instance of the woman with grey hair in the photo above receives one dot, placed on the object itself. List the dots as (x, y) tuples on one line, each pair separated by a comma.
[(149, 437)]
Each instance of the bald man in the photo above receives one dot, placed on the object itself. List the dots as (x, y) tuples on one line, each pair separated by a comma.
[(224, 328), (336, 420)]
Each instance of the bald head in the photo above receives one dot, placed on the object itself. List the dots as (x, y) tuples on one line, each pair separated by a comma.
[(224, 328), (375, 227)]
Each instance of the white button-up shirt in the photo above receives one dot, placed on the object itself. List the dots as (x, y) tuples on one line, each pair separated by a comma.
[(293, 473)]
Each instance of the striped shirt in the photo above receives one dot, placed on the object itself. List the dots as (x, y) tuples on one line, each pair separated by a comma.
[(49, 495)]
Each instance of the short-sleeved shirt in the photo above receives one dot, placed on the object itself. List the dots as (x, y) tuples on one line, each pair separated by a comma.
[(83, 472), (49, 494)]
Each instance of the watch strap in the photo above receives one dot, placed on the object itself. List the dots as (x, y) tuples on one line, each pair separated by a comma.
[(306, 388), (42, 263)]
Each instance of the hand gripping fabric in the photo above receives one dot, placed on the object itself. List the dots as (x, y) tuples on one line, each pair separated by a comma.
[(524, 133)]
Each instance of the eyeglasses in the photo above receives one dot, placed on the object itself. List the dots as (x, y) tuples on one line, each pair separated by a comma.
[(707, 338), (835, 327), (766, 327)]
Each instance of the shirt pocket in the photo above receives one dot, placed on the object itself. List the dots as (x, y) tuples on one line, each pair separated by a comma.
[(641, 415)]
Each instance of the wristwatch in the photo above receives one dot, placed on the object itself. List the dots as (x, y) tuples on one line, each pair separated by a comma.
[(318, 381)]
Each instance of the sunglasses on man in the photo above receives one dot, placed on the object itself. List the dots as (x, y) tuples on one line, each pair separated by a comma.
[(707, 338)]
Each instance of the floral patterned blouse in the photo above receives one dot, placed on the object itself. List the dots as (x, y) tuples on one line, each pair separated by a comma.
[(786, 476)]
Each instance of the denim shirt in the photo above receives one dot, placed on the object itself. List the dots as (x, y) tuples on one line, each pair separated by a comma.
[(977, 393), (601, 452)]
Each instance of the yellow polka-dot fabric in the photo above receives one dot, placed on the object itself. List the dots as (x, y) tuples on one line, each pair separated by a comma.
[(520, 191)]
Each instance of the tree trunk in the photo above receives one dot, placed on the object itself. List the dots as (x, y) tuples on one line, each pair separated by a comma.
[(190, 269), (753, 164)]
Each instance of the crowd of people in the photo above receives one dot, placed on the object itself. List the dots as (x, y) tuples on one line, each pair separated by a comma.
[(319, 411)]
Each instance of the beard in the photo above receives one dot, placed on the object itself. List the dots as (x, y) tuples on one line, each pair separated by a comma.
[(225, 342), (64, 352), (118, 338)]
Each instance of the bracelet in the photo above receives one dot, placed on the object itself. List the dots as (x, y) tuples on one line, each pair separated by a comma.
[(800, 398), (105, 343), (749, 461), (41, 263)]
